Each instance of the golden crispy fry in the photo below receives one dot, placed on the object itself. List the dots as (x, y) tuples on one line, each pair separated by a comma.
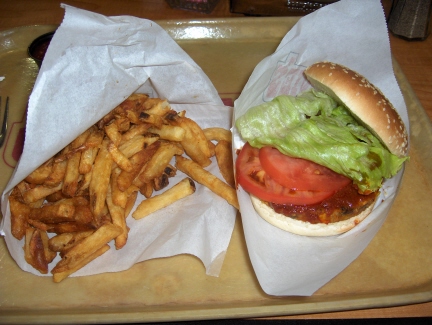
[(159, 161), (195, 143), (169, 132), (54, 213), (36, 251), (179, 191), (204, 177), (40, 192), (71, 177), (118, 218), (224, 159), (132, 146), (84, 183), (95, 138), (121, 160), (40, 174), (61, 275), (57, 174), (64, 242), (138, 129), (146, 189), (86, 161), (118, 197), (87, 247), (212, 147), (89, 154), (19, 215), (130, 203), (100, 179), (218, 134), (60, 228), (113, 133), (138, 160), (156, 106)]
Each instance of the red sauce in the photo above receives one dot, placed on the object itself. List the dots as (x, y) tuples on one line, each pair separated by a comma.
[(341, 206)]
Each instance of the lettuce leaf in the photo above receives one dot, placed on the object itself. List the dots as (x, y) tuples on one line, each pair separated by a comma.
[(315, 127)]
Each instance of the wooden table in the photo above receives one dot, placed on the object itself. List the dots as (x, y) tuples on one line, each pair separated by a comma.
[(415, 59)]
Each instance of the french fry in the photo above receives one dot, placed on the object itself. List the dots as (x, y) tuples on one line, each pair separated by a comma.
[(49, 254), (84, 183), (125, 179), (195, 143), (19, 216), (146, 189), (59, 276), (130, 203), (160, 182), (138, 129), (40, 174), (54, 213), (100, 179), (119, 158), (87, 247), (169, 132), (156, 106), (179, 191), (132, 146), (71, 177), (72, 174), (88, 155), (40, 192), (64, 242), (63, 227), (217, 134), (118, 218), (224, 159), (158, 162), (57, 174), (34, 250), (113, 133), (204, 177)]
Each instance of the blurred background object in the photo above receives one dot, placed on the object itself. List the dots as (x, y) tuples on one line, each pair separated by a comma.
[(205, 6), (277, 7), (410, 19)]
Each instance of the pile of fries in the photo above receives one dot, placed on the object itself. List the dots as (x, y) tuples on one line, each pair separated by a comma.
[(83, 195)]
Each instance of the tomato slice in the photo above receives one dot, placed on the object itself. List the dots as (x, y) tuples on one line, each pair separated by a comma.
[(254, 179), (300, 174)]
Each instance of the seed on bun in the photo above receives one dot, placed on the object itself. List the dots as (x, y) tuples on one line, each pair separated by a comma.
[(364, 100)]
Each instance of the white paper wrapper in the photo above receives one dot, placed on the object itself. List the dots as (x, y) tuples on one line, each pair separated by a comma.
[(354, 34), (93, 63)]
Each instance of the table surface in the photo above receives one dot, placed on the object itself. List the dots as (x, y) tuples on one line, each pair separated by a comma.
[(414, 57)]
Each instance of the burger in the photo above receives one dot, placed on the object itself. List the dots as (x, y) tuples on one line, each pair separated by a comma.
[(314, 163)]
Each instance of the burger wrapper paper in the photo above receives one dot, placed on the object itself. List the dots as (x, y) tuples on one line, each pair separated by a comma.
[(353, 34), (94, 63)]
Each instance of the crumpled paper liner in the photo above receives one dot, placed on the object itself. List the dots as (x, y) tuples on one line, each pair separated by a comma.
[(94, 62), (353, 34)]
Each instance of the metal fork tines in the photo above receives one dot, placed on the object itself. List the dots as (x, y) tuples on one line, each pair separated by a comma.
[(4, 123)]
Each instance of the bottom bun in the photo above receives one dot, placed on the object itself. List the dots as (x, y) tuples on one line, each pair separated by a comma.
[(305, 228)]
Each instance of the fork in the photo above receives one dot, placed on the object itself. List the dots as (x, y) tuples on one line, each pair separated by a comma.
[(4, 124)]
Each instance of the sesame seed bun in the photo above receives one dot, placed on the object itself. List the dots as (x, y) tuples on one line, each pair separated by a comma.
[(366, 102), (305, 228)]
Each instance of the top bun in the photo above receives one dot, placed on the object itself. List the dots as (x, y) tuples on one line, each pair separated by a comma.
[(364, 100)]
